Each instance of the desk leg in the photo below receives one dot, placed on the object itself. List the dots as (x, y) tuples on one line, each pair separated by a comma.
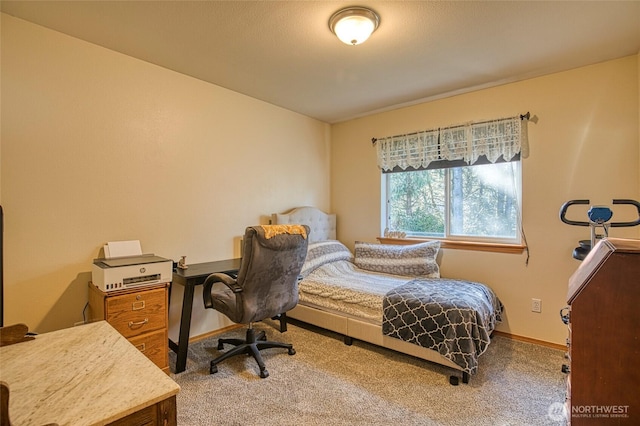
[(185, 325)]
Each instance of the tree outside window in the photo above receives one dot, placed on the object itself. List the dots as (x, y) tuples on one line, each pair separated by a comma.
[(479, 202)]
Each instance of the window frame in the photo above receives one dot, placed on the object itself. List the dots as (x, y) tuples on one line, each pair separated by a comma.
[(466, 242)]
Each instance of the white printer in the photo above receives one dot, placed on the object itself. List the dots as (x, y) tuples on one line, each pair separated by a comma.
[(129, 271)]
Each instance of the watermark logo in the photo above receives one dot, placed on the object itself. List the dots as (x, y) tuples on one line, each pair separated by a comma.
[(600, 411), (557, 412)]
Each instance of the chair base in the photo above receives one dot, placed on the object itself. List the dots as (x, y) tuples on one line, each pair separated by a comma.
[(252, 345)]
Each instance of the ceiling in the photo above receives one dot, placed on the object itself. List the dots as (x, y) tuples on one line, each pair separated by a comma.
[(283, 52)]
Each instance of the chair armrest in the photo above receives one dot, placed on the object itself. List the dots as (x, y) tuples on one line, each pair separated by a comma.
[(218, 278)]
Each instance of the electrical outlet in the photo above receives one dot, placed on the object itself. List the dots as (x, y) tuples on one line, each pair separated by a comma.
[(536, 305)]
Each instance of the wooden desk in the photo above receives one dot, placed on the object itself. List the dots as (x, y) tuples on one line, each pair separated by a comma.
[(194, 275), (85, 375)]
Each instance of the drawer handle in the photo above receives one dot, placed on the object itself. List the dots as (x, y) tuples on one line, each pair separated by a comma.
[(142, 347), (139, 323), (136, 306)]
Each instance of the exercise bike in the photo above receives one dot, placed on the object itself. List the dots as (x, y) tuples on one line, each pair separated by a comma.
[(599, 217)]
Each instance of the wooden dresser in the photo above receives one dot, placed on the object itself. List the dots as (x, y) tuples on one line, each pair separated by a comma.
[(603, 377), (141, 315)]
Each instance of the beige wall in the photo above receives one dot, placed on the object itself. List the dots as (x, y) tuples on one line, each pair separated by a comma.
[(98, 146), (585, 144)]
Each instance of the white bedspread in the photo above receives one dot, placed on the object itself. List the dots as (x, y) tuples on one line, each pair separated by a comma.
[(343, 287)]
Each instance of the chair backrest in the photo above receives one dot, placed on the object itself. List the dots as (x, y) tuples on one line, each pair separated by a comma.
[(272, 258)]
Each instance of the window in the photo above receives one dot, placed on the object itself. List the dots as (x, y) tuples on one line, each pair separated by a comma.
[(460, 182), (473, 203)]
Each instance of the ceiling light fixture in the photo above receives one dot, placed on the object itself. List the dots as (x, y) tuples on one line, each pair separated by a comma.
[(353, 25)]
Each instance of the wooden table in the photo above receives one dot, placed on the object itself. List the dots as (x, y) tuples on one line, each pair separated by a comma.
[(194, 275), (85, 375)]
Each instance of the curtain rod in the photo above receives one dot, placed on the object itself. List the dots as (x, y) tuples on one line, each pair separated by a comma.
[(522, 117)]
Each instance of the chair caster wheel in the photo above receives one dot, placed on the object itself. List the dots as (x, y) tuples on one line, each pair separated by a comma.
[(264, 373), (213, 369), (220, 346), (292, 351)]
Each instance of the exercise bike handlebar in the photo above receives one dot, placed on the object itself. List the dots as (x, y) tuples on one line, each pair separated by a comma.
[(563, 212), (565, 206), (625, 224)]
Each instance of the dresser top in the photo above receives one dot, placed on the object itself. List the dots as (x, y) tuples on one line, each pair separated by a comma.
[(624, 245), (596, 258), (85, 375)]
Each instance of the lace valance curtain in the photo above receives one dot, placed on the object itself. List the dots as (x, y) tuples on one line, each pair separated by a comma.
[(488, 141)]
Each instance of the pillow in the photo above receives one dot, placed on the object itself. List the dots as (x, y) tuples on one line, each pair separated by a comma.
[(416, 260), (323, 252)]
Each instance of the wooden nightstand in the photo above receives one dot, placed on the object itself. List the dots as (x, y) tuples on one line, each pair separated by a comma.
[(141, 315)]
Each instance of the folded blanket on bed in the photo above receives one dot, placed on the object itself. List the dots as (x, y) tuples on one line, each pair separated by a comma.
[(452, 317), (273, 230)]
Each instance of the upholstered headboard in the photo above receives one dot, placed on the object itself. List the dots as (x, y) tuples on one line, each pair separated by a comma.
[(323, 225)]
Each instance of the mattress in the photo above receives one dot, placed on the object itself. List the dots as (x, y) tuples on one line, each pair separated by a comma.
[(342, 287)]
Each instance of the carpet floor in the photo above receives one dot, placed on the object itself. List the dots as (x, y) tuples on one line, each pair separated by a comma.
[(329, 383)]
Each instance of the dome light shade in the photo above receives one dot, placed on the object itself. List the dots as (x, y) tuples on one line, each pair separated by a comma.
[(354, 25)]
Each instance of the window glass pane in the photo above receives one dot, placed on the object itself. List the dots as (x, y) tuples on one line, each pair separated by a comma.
[(416, 202), (483, 201), (475, 202)]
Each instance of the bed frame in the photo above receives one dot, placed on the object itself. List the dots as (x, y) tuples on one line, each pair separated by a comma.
[(323, 227)]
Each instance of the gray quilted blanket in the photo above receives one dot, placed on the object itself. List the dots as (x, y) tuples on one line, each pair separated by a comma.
[(452, 317)]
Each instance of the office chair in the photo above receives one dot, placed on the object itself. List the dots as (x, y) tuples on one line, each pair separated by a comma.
[(266, 286)]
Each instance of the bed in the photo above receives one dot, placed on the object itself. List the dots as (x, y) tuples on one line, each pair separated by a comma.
[(392, 296)]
